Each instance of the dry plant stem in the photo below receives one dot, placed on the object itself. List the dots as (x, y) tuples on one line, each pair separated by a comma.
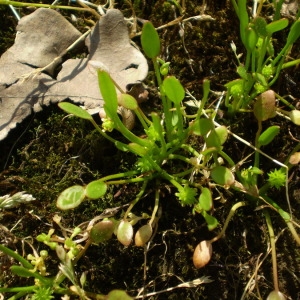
[(58, 58), (273, 248), (24, 4), (230, 215), (91, 10)]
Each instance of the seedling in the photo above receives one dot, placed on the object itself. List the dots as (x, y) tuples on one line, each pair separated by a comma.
[(262, 65)]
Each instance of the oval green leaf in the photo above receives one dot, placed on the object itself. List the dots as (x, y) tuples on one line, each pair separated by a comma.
[(277, 26), (222, 175), (268, 135), (118, 295), (205, 199), (75, 110), (95, 189), (173, 89), (202, 126), (71, 197), (150, 40), (213, 140), (211, 221)]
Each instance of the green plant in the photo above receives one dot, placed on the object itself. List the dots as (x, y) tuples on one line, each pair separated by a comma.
[(164, 145), (262, 65), (35, 266)]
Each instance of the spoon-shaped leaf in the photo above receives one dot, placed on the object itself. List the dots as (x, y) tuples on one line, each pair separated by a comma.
[(173, 89), (71, 197), (268, 135), (95, 189), (222, 175), (150, 40), (75, 110), (109, 94), (205, 199)]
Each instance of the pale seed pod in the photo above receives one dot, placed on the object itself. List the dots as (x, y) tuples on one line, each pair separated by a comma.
[(143, 235), (125, 233), (276, 295), (202, 254), (102, 231), (295, 116)]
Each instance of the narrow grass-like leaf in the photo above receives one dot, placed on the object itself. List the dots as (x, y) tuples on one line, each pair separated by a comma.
[(109, 94), (294, 33)]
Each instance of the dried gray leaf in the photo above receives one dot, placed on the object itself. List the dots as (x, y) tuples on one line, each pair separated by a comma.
[(109, 45)]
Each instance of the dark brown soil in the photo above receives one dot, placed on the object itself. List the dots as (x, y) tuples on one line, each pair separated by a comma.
[(47, 153)]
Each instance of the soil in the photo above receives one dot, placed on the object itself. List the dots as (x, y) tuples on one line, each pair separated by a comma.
[(49, 152)]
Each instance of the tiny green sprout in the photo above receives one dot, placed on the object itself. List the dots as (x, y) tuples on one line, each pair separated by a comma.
[(277, 178), (46, 239), (164, 69), (249, 175)]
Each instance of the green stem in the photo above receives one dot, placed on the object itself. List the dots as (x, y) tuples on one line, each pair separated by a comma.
[(229, 217), (136, 200), (285, 216), (291, 64), (165, 102), (256, 155), (273, 249), (131, 180), (284, 102), (156, 205), (119, 175)]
